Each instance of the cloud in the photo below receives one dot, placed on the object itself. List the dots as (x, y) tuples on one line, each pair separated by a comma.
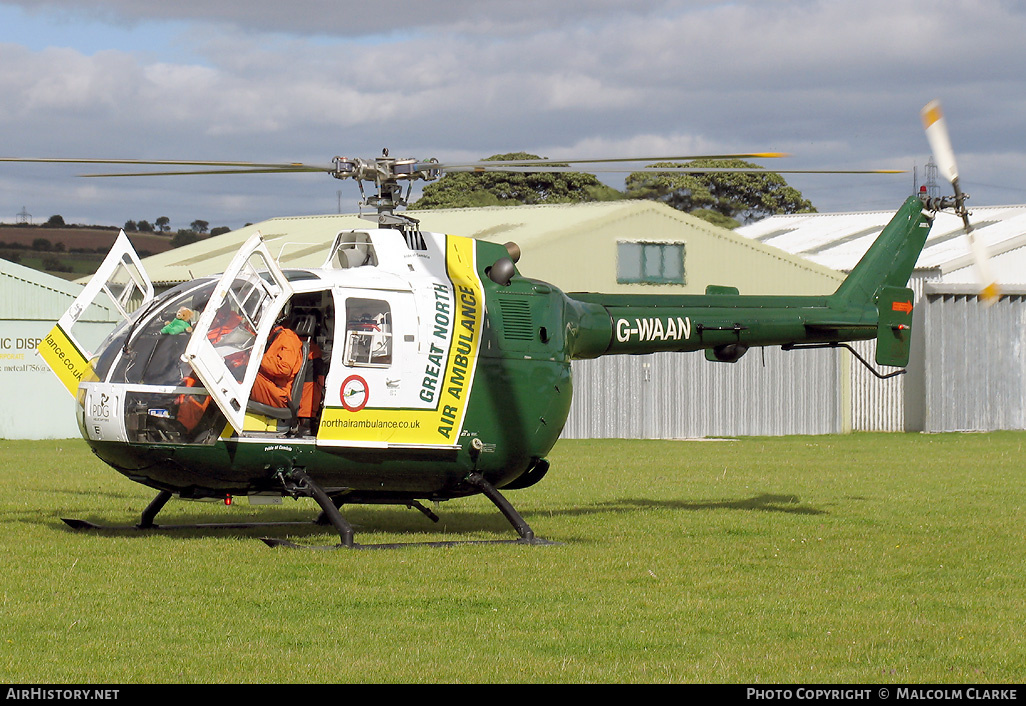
[(834, 84), (356, 20)]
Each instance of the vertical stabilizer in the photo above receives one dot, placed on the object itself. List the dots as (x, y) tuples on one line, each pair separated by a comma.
[(890, 260)]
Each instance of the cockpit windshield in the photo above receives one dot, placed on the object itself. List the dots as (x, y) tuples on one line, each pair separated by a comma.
[(145, 352), (147, 349), (143, 362)]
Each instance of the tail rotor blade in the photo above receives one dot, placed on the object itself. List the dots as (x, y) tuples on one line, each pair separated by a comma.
[(990, 291), (940, 142)]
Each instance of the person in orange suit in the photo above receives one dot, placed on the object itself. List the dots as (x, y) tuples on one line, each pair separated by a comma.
[(225, 321), (278, 368), (191, 408)]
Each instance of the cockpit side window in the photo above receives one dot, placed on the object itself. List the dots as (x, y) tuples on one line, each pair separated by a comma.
[(368, 333), (247, 298)]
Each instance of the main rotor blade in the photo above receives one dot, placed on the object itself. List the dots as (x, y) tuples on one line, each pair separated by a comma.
[(168, 162), (523, 165), (682, 170), (268, 170), (222, 167), (559, 162)]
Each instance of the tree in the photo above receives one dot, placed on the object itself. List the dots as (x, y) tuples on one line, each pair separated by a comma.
[(469, 189), (716, 218), (200, 226), (145, 227), (742, 196), (131, 227), (56, 221), (52, 264), (163, 224), (184, 237)]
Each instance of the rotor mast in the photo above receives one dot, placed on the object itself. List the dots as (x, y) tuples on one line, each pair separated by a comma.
[(385, 173)]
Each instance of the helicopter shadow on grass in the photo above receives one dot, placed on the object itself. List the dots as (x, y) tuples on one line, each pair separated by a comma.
[(33, 516), (766, 502), (399, 527)]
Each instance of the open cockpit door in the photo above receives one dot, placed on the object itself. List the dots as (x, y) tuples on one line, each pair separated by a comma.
[(120, 283), (228, 341)]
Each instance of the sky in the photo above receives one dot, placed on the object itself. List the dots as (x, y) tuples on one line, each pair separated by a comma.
[(837, 85)]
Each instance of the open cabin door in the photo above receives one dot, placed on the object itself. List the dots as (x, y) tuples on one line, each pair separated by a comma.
[(120, 281), (228, 341)]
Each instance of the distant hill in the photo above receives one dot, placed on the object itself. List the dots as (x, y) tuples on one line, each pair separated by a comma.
[(82, 237), (70, 251)]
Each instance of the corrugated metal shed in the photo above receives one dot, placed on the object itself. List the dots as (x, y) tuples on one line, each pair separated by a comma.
[(32, 295), (684, 396), (933, 383), (33, 403), (976, 366), (838, 240)]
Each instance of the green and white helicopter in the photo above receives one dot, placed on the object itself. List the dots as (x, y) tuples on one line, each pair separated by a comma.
[(443, 372)]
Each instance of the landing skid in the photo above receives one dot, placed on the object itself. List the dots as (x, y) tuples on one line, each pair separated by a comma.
[(331, 515), (272, 542), (298, 484), (157, 504), (86, 525)]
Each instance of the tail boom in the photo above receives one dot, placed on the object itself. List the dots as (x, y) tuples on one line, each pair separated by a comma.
[(726, 323)]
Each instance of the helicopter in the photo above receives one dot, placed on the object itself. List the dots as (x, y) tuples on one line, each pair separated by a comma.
[(425, 366)]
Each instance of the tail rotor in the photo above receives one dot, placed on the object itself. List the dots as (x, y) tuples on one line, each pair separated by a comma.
[(940, 145)]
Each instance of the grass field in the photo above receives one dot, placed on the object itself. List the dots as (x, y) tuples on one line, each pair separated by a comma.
[(866, 558)]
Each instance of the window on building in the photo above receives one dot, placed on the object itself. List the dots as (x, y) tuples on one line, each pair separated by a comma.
[(655, 263)]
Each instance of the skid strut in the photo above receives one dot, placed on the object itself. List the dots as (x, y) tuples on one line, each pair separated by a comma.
[(155, 506), (508, 511), (299, 484)]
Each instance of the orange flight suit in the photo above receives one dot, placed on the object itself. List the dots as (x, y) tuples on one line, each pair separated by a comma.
[(192, 407), (225, 321), (280, 364)]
